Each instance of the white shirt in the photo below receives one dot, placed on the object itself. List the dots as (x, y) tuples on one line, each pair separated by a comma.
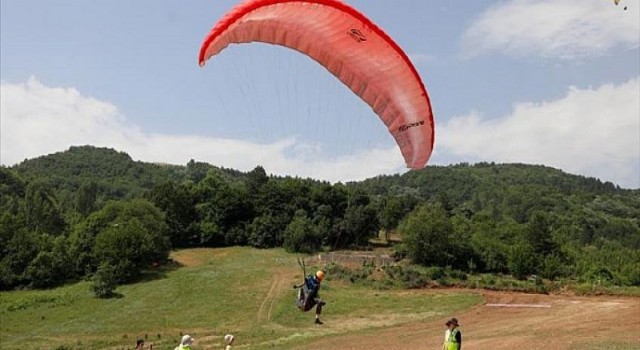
[(446, 337)]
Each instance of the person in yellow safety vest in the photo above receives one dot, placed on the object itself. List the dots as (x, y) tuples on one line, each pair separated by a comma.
[(454, 342), (185, 343)]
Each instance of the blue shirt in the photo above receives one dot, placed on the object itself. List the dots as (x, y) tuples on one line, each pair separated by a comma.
[(312, 286)]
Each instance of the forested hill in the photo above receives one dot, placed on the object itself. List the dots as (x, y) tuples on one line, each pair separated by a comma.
[(514, 188), (95, 212), (461, 181), (116, 175), (457, 182)]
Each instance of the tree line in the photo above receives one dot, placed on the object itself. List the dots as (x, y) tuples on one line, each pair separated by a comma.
[(92, 213)]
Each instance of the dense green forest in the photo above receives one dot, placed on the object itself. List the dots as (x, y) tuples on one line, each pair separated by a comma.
[(94, 213)]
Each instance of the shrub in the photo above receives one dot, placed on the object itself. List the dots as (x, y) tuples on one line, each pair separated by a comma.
[(302, 235), (104, 281)]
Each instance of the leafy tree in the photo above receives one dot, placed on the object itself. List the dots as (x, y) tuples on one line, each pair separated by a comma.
[(336, 197), (129, 247), (460, 246), (221, 206), (522, 260), (11, 185), (211, 234), (102, 237), (86, 199), (623, 230), (426, 234), (104, 281), (42, 211), (551, 267), (360, 223), (51, 267), (256, 178), (492, 251), (238, 234), (323, 221), (197, 171), (21, 249), (178, 203), (390, 215), (10, 224), (265, 232), (41, 270), (302, 235), (538, 234)]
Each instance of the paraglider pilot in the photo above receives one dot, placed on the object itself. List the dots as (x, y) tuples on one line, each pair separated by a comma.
[(308, 296)]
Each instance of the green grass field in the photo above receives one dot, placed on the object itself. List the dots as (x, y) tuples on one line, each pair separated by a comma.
[(242, 291)]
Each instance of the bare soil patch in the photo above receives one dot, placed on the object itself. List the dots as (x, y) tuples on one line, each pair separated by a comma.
[(569, 322), (199, 256)]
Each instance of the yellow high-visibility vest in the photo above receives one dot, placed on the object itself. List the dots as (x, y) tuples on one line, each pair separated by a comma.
[(452, 343)]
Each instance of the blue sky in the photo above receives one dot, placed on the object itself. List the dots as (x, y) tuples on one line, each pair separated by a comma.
[(540, 82)]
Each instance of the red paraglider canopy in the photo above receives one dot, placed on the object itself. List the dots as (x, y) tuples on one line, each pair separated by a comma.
[(352, 48)]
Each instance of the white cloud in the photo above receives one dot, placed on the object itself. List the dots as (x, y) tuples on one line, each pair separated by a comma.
[(595, 132), (38, 120), (565, 29)]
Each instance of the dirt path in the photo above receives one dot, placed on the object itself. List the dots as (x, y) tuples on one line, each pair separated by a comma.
[(514, 321), (278, 284)]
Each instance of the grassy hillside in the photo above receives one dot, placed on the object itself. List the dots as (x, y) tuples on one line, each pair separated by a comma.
[(242, 291)]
